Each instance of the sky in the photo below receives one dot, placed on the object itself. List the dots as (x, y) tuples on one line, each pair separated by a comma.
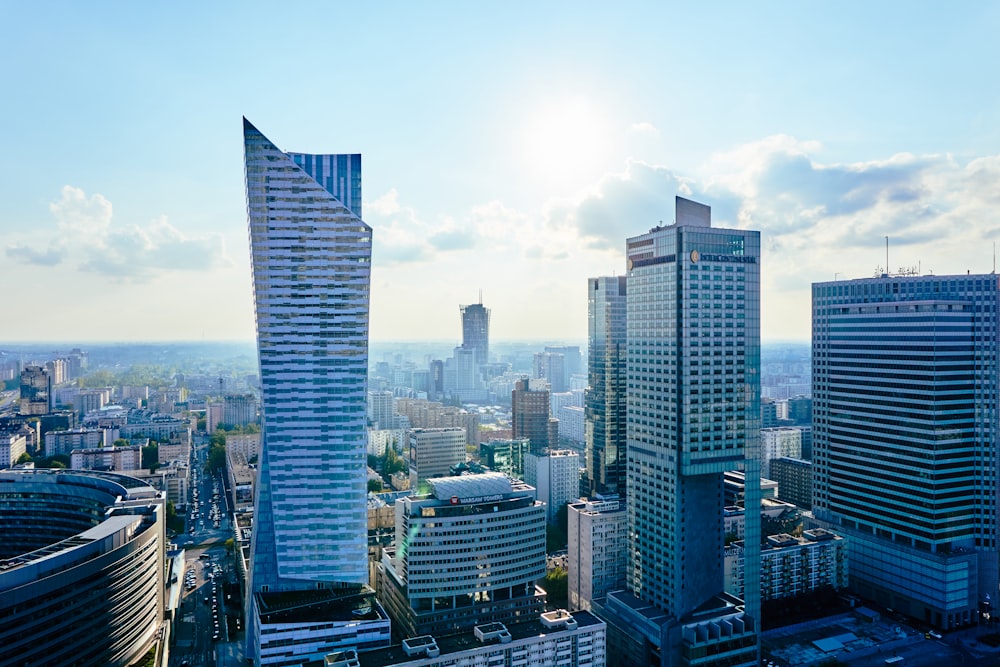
[(508, 148)]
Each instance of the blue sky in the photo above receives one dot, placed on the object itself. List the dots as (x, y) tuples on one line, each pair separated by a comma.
[(507, 147)]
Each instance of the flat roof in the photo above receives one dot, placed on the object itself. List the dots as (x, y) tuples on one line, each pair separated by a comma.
[(465, 641), (466, 487)]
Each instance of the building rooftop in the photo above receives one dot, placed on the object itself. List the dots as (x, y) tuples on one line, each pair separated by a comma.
[(468, 487), (465, 641), (353, 604)]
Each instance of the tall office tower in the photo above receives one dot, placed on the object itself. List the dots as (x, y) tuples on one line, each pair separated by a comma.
[(551, 367), (693, 322), (905, 442), (36, 391), (476, 330), (606, 399), (530, 415), (311, 255)]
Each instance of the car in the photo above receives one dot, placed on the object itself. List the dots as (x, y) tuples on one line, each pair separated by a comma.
[(932, 634)]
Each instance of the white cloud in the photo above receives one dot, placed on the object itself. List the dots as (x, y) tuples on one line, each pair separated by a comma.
[(645, 128), (86, 237)]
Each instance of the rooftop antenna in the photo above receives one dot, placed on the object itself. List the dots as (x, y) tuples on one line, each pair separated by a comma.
[(887, 256), (480, 296), (994, 257)]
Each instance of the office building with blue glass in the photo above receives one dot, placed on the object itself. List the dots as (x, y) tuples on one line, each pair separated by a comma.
[(905, 438), (310, 252), (693, 360)]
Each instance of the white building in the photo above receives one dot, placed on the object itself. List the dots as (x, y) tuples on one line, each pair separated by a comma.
[(571, 423), (598, 550), (381, 439), (12, 446), (107, 458), (556, 475), (433, 451), (776, 443), (247, 444), (468, 553), (64, 442), (557, 639)]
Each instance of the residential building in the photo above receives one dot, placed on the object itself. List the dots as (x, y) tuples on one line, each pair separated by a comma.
[(693, 365), (530, 417), (239, 409), (107, 458), (430, 414), (906, 388), (572, 427), (433, 451), (606, 397), (13, 444), (453, 567), (64, 442), (597, 554), (380, 409), (794, 479), (555, 473), (777, 442), (792, 566), (311, 259)]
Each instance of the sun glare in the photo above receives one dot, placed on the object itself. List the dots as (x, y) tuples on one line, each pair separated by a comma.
[(566, 144)]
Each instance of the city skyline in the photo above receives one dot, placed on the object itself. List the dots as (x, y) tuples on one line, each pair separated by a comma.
[(505, 155)]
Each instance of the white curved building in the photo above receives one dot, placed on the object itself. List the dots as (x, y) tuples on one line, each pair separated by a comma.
[(466, 554), (81, 568)]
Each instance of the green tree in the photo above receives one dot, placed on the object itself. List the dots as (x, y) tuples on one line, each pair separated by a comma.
[(374, 485), (121, 442), (151, 457), (217, 439), (24, 458), (216, 458), (392, 463), (556, 584)]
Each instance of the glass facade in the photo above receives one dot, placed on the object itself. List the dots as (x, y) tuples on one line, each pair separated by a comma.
[(311, 254), (693, 325), (606, 398), (905, 400)]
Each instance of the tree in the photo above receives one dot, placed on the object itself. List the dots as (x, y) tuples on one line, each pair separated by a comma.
[(556, 584), (151, 457), (24, 458), (374, 485), (121, 442), (216, 458)]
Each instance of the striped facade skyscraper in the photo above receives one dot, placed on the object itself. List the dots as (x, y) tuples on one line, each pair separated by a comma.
[(311, 257), (906, 388)]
